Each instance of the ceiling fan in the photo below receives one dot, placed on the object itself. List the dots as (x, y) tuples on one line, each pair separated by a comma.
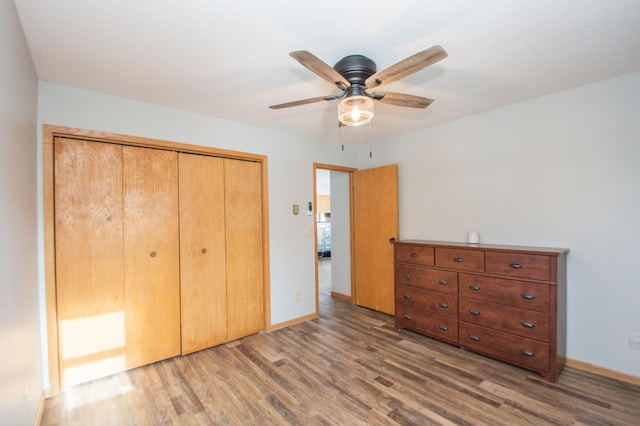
[(355, 75)]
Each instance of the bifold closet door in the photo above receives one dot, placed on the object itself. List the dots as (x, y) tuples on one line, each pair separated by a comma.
[(89, 260), (243, 213), (151, 252), (202, 252), (157, 253)]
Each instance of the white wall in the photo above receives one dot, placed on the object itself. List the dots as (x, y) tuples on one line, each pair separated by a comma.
[(558, 171), (290, 163), (20, 377), (340, 233)]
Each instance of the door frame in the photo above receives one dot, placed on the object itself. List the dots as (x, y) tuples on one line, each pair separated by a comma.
[(334, 168), (50, 132)]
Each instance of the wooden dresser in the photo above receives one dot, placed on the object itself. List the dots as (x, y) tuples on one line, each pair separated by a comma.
[(507, 302)]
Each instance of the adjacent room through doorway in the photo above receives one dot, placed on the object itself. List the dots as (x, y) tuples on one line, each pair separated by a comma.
[(333, 229)]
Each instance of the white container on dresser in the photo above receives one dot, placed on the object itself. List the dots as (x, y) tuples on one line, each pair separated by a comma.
[(507, 302)]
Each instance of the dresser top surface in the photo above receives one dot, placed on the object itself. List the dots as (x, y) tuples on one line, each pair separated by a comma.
[(486, 247)]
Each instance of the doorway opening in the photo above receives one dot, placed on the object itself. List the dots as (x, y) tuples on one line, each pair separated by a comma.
[(363, 219), (332, 219)]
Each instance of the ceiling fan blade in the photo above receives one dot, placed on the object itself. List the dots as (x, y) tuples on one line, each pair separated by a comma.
[(314, 64), (407, 66), (303, 102), (402, 99)]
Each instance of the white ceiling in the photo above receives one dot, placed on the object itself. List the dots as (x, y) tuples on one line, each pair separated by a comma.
[(229, 58)]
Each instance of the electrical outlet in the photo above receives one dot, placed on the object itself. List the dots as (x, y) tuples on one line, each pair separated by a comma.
[(297, 296), (634, 340)]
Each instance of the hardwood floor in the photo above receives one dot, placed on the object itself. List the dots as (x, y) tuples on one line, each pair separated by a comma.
[(324, 274), (349, 367)]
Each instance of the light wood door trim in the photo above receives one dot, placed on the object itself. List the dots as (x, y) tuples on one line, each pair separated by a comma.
[(50, 261), (97, 136), (52, 131), (334, 168)]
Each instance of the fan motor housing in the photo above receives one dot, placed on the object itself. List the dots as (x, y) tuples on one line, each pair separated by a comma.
[(356, 69)]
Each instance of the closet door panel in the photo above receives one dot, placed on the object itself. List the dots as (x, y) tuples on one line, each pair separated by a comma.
[(202, 252), (243, 207), (151, 250), (89, 261)]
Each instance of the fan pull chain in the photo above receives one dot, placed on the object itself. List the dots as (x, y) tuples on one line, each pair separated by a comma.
[(370, 141)]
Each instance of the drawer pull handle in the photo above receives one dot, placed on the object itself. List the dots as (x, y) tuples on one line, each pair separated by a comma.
[(527, 296), (458, 259), (474, 287), (406, 296), (407, 317), (515, 265), (443, 327), (474, 337), (413, 255), (407, 276), (153, 254), (442, 282), (474, 312), (527, 352), (527, 324), (443, 305)]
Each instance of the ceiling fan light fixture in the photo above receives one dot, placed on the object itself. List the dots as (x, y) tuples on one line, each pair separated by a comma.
[(355, 110)]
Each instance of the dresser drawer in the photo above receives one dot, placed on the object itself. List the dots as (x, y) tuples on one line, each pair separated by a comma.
[(530, 324), (439, 326), (534, 266), (518, 350), (431, 301), (419, 255), (520, 294), (430, 279), (461, 259)]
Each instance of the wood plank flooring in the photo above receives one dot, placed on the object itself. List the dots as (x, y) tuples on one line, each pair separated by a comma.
[(349, 367)]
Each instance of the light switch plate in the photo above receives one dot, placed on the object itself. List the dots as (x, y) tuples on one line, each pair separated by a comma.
[(634, 340)]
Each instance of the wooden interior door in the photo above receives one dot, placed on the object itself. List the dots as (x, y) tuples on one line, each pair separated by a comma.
[(151, 250), (375, 222), (202, 252), (245, 280), (89, 259)]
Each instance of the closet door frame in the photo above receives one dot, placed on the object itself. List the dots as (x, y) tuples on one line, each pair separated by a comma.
[(50, 132)]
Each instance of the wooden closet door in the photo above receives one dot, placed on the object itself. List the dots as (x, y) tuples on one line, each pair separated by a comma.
[(151, 250), (89, 259), (203, 285), (243, 213)]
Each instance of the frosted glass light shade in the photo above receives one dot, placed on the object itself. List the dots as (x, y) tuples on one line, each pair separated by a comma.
[(355, 110)]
